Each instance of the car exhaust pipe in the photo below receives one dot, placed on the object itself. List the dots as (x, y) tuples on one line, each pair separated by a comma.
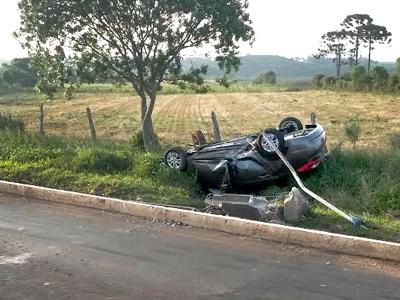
[(357, 222)]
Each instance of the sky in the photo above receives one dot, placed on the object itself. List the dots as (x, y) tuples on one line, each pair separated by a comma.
[(290, 28)]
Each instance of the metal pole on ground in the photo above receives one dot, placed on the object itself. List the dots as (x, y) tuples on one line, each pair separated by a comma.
[(354, 220)]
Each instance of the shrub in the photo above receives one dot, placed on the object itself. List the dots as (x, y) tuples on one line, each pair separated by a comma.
[(380, 78), (329, 81), (136, 141), (10, 123), (99, 160), (68, 94), (352, 129), (266, 78), (318, 80), (361, 80)]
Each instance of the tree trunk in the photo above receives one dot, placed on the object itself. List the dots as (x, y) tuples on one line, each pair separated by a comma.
[(357, 49), (369, 53), (150, 139), (41, 119), (338, 65)]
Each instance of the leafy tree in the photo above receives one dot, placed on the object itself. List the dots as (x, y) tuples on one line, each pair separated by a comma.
[(141, 41), (354, 27), (360, 78), (398, 66), (333, 44), (380, 77), (266, 78), (51, 72), (19, 73), (375, 34)]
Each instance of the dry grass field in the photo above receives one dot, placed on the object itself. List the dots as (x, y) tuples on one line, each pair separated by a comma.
[(176, 116)]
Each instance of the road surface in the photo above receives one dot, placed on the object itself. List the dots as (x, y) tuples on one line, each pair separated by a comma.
[(52, 251)]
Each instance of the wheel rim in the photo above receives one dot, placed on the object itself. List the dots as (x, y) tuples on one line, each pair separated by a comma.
[(290, 125), (272, 137), (174, 160)]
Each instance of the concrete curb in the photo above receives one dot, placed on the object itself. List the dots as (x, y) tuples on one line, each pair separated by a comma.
[(271, 232)]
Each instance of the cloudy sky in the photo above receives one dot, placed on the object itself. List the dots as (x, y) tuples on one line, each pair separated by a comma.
[(290, 28)]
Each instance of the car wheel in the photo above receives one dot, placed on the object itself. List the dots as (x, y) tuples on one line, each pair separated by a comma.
[(276, 137), (290, 124), (176, 159), (198, 138)]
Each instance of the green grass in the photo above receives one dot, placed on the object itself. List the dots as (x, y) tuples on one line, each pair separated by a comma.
[(114, 170), (362, 183)]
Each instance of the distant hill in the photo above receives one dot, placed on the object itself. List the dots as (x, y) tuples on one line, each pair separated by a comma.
[(285, 68), (4, 61)]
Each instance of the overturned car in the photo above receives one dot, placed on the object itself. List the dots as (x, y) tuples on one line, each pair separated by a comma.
[(250, 160)]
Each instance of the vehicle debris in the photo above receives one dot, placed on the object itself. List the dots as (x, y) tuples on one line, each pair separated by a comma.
[(258, 208), (295, 206)]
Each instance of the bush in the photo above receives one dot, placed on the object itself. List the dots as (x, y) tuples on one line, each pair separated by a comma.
[(361, 80), (329, 81), (352, 129), (99, 160), (266, 78), (68, 93), (380, 78), (137, 141), (10, 123), (318, 81)]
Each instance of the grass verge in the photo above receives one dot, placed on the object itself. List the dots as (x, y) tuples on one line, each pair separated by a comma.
[(363, 183), (113, 170)]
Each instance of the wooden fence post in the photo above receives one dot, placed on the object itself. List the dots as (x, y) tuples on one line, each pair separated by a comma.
[(217, 133), (41, 119), (313, 118), (91, 124)]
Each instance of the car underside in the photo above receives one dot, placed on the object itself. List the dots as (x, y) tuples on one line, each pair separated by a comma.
[(250, 160)]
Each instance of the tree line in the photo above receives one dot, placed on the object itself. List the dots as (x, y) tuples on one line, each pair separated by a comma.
[(359, 79), (345, 44)]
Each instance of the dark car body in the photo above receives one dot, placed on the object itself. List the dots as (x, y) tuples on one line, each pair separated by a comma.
[(239, 162)]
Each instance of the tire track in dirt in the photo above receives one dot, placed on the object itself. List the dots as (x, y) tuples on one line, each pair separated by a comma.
[(174, 118), (183, 118), (163, 108), (164, 115)]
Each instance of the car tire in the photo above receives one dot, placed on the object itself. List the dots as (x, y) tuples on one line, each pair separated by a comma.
[(290, 124), (176, 159), (277, 138), (198, 138)]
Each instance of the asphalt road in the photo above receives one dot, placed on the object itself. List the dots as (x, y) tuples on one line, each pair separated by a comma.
[(51, 251)]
